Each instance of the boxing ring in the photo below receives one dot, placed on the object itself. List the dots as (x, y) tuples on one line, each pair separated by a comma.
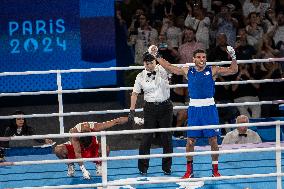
[(254, 166), (253, 163)]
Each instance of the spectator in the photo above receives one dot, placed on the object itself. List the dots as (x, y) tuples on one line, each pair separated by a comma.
[(197, 20), (250, 6), (195, 3), (254, 31), (176, 7), (128, 8), (135, 22), (244, 51), (172, 7), (219, 53), (159, 10), (270, 21), (223, 93), (232, 4), (172, 32), (225, 23), (278, 32), (133, 30), (247, 92), (266, 48), (19, 127), (166, 51), (158, 110), (271, 91), (241, 135), (189, 46), (146, 36)]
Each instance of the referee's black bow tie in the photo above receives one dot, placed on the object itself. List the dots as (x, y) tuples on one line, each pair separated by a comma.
[(244, 135), (151, 73)]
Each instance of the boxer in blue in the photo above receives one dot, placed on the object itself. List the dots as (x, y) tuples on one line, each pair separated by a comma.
[(202, 109)]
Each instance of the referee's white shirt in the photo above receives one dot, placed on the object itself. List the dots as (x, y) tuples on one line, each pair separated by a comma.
[(156, 88)]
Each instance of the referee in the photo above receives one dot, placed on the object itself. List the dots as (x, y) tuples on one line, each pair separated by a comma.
[(158, 110)]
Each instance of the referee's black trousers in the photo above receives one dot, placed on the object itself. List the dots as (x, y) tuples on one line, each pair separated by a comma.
[(157, 115)]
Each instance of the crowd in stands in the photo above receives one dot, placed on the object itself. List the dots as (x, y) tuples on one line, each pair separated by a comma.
[(255, 28)]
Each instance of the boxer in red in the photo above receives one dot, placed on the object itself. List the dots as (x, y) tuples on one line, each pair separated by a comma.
[(85, 147)]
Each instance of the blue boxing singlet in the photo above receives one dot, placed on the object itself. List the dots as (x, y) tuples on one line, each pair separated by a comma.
[(200, 84), (202, 109)]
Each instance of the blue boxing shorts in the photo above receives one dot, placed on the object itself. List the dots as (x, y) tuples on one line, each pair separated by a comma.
[(204, 115)]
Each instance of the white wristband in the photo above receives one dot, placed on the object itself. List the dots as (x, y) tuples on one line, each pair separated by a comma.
[(83, 169)]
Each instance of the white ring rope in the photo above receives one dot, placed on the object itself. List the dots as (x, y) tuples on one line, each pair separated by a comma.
[(137, 110), (134, 67), (121, 183), (234, 151), (139, 131), (130, 88), (251, 61)]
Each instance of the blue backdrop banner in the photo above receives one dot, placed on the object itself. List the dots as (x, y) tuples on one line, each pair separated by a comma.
[(51, 35)]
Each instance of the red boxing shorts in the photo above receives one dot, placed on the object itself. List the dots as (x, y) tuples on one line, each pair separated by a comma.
[(92, 151)]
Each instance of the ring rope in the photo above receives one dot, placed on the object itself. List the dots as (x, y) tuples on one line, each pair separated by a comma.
[(251, 61), (234, 151), (131, 88), (280, 101), (140, 131), (121, 183), (134, 67)]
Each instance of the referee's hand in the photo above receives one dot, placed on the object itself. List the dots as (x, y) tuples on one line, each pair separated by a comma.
[(131, 117)]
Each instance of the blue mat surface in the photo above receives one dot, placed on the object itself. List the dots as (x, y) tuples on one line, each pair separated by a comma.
[(229, 164)]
